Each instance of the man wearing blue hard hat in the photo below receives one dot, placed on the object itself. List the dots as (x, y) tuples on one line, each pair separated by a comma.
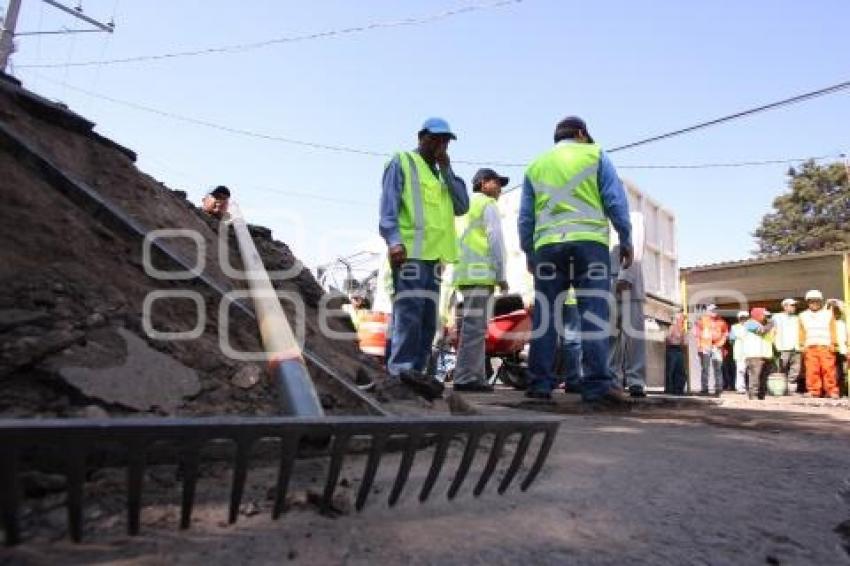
[(420, 198)]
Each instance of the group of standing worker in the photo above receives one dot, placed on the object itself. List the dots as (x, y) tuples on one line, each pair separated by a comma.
[(571, 195), (815, 341)]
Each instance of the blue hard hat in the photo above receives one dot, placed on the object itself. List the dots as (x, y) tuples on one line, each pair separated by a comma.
[(437, 126)]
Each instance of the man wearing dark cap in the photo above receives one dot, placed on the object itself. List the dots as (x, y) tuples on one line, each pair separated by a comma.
[(569, 195), (480, 268), (420, 198), (216, 201)]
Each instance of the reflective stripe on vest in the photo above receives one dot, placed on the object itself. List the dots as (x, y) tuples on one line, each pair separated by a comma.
[(817, 326), (426, 215), (567, 201), (475, 266)]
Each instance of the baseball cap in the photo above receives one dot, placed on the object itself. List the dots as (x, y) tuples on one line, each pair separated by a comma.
[(743, 314), (437, 126), (788, 301), (485, 174), (221, 192), (572, 123), (711, 308)]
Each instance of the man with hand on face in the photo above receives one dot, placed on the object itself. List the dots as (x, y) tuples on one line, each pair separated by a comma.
[(480, 268), (216, 201), (420, 198)]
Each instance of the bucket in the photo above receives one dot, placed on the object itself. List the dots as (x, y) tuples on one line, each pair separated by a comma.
[(372, 333), (777, 384)]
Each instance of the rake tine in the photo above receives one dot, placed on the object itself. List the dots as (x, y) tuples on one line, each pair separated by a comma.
[(436, 466), (191, 458), (9, 495), (76, 476), (492, 460), (240, 471), (516, 462), (375, 452), (548, 440), (288, 452), (135, 478), (465, 463), (404, 467), (337, 453)]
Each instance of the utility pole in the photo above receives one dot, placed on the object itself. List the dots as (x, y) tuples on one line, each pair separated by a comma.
[(8, 33)]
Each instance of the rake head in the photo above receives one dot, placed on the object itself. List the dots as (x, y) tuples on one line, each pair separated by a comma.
[(79, 439)]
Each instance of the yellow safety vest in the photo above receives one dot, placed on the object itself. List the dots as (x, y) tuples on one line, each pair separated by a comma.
[(426, 216), (567, 201), (474, 266)]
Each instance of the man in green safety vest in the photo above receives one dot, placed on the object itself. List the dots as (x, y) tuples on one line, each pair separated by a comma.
[(569, 195), (420, 198), (480, 268)]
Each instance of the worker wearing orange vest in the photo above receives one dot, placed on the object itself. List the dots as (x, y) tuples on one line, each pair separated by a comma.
[(818, 336), (711, 332)]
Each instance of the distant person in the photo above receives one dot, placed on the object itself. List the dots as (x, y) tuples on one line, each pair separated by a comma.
[(842, 346), (787, 325), (215, 202), (818, 335), (479, 270), (420, 197), (569, 195), (357, 307), (628, 350), (674, 356), (757, 342), (736, 335), (711, 333)]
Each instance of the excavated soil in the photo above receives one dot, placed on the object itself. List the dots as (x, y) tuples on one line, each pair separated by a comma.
[(69, 281)]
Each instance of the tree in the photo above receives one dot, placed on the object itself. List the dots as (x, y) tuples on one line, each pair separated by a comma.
[(813, 216)]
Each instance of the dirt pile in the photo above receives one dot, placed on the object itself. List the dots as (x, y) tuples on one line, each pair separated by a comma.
[(73, 287)]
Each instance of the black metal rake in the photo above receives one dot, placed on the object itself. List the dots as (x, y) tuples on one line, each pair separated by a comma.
[(78, 438)]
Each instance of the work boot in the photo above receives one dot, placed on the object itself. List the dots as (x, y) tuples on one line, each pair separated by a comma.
[(636, 392), (614, 397), (423, 384), (539, 394), (473, 387)]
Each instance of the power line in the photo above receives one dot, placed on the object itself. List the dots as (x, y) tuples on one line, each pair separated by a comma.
[(412, 21), (773, 105), (372, 153)]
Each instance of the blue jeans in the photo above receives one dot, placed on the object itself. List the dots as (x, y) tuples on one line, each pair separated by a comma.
[(586, 267), (416, 286), (571, 348)]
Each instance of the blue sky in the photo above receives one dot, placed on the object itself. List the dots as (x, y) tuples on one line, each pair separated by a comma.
[(502, 76)]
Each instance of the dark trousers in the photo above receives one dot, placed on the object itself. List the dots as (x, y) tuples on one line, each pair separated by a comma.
[(417, 291), (674, 370), (586, 267), (758, 370)]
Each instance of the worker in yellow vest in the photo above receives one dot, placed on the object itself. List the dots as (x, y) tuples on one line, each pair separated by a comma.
[(818, 335), (420, 197), (479, 270), (756, 339), (569, 195)]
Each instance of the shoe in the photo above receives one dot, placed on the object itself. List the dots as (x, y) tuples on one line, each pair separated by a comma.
[(572, 389), (717, 394), (636, 392), (474, 387), (615, 397), (425, 385), (539, 394)]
